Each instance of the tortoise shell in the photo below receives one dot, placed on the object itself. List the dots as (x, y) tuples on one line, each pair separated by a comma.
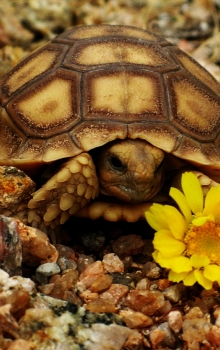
[(94, 84)]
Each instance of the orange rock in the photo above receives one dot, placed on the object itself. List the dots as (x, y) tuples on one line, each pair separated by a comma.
[(87, 296), (63, 284), (156, 337), (101, 283), (135, 319), (145, 301), (15, 191), (115, 293), (112, 263), (101, 305), (36, 248), (95, 268)]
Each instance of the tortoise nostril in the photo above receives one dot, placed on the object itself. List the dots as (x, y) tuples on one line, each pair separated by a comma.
[(116, 163)]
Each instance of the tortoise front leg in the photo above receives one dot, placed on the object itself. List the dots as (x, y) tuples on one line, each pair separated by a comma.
[(70, 189)]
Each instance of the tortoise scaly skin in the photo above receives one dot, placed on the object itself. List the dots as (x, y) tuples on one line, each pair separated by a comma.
[(112, 102)]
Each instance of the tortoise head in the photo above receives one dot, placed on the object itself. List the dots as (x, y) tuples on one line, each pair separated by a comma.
[(130, 170)]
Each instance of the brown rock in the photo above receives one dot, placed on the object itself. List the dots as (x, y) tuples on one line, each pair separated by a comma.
[(15, 190), (112, 263), (115, 293), (128, 245), (151, 270), (63, 284), (36, 247), (101, 305), (95, 268), (87, 296), (145, 301), (10, 246), (101, 283), (214, 337), (135, 319), (175, 320), (156, 337)]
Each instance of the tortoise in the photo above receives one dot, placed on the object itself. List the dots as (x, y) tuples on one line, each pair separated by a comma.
[(115, 108)]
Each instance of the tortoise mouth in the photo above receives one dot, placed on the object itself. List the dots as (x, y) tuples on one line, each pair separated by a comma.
[(136, 193)]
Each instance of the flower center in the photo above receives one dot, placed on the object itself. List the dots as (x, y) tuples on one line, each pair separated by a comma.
[(204, 240)]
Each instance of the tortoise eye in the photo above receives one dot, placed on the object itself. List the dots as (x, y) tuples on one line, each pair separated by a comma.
[(116, 163)]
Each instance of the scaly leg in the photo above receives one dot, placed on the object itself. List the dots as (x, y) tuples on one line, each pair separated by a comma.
[(70, 189)]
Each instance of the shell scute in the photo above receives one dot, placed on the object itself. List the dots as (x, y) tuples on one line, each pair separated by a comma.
[(162, 135), (88, 54), (49, 106), (137, 95), (191, 66), (80, 33), (30, 69), (92, 134), (58, 147), (195, 110)]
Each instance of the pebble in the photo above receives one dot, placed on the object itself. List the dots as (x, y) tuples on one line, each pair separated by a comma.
[(95, 268), (10, 246), (156, 337), (175, 320), (65, 283), (101, 283), (135, 319), (101, 305), (15, 191), (115, 293), (151, 270), (174, 293), (36, 247), (84, 261), (112, 263), (145, 301), (128, 245), (144, 283), (65, 264), (46, 270), (87, 296), (120, 278), (170, 339)]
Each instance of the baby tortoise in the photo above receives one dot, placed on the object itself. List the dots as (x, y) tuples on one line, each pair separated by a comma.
[(112, 102)]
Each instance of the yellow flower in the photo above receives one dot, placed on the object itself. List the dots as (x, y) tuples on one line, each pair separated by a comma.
[(187, 241)]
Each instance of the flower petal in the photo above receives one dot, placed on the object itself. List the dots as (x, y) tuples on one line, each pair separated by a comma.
[(212, 272), (212, 202), (207, 284), (199, 261), (167, 244), (200, 220), (177, 223), (180, 199), (176, 277), (163, 262), (193, 192), (180, 264), (190, 279), (155, 217)]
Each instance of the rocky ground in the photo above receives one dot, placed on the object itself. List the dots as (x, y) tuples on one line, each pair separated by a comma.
[(97, 286)]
